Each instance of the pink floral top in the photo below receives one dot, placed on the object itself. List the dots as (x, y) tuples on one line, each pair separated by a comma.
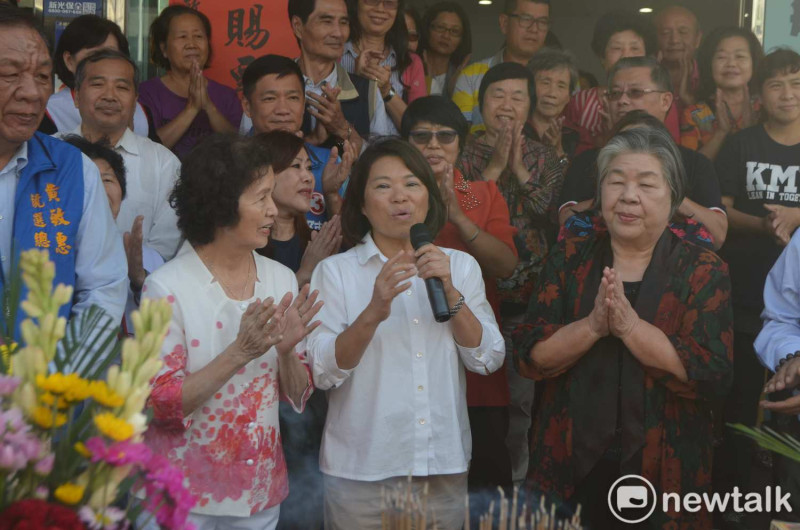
[(229, 449)]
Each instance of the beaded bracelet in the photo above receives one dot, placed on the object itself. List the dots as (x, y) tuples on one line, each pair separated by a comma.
[(788, 358)]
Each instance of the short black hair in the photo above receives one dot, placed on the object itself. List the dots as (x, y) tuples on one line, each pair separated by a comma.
[(620, 20), (102, 55), (86, 31), (780, 61), (212, 178), (159, 31), (707, 50), (438, 110), (102, 150), (301, 9), (464, 48), (267, 65), (554, 59), (355, 224), (511, 5), (658, 74), (503, 71), (16, 17), (283, 147)]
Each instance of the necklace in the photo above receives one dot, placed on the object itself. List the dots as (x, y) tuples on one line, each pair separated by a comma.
[(227, 288)]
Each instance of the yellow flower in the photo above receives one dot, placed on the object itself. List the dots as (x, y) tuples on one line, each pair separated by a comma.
[(71, 386), (69, 493), (49, 399), (43, 417), (115, 428), (81, 449), (104, 395)]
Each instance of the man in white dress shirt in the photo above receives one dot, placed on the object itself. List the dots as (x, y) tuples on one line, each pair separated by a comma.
[(105, 92)]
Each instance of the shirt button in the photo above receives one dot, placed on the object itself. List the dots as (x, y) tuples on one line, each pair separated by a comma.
[(422, 421), (479, 355), (419, 355), (408, 293), (249, 462), (1, 217), (420, 388), (251, 425), (242, 306), (415, 321)]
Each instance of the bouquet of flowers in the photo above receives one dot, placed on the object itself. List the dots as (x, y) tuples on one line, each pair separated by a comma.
[(72, 420)]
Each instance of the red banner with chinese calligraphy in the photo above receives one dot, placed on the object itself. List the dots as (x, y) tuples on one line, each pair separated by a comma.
[(241, 31)]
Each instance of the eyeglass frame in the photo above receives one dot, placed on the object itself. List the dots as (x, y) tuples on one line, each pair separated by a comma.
[(627, 92), (433, 134), (386, 4), (440, 28), (539, 22)]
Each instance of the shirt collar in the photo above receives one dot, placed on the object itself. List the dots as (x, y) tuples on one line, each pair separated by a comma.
[(368, 249), (331, 80), (128, 142), (18, 161)]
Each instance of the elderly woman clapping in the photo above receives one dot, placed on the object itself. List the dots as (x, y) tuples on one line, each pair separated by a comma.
[(232, 347), (632, 331)]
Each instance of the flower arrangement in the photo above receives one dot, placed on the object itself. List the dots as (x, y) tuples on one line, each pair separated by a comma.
[(72, 421)]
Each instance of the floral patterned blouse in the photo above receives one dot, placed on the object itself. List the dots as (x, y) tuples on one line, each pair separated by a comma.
[(229, 448), (694, 312), (532, 207)]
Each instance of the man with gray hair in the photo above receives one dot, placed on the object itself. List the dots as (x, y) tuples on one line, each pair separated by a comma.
[(105, 92), (556, 77), (679, 37), (640, 83)]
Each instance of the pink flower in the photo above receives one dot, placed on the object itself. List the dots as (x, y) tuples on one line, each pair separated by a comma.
[(119, 453), (108, 519), (8, 384), (45, 465), (164, 492)]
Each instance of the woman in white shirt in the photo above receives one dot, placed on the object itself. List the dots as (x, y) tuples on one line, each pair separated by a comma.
[(231, 349), (395, 377)]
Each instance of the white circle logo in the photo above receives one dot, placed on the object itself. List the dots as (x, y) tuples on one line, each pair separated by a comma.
[(632, 499)]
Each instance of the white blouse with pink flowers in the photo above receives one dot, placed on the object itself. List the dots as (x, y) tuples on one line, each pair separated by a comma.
[(230, 447)]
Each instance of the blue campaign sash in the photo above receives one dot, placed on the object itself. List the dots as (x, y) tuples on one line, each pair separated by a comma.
[(48, 207)]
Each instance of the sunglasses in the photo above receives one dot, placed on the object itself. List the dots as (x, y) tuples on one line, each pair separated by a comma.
[(632, 93), (444, 137)]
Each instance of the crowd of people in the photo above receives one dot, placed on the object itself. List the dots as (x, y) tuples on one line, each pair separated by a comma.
[(619, 262)]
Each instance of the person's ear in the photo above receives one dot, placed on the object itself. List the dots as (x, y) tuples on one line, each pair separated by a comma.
[(69, 60), (246, 105), (297, 27), (504, 20), (666, 101)]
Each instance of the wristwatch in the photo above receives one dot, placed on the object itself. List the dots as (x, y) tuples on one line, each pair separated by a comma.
[(390, 95)]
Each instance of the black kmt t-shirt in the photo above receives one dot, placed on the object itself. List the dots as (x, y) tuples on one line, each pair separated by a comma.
[(755, 170)]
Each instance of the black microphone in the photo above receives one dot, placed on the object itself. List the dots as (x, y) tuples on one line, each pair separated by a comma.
[(421, 236)]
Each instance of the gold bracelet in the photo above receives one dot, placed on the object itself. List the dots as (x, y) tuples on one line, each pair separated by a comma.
[(475, 235)]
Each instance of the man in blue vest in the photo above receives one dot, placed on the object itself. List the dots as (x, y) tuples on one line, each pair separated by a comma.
[(51, 196)]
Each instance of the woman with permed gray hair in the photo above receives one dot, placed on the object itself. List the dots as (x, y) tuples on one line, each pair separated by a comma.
[(630, 331)]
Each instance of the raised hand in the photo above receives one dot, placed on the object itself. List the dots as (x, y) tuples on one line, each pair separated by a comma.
[(598, 318), (295, 319), (516, 163), (327, 109), (391, 281), (448, 191), (335, 173), (323, 244), (723, 115), (553, 134), (133, 251), (622, 318), (781, 222), (433, 263), (258, 330)]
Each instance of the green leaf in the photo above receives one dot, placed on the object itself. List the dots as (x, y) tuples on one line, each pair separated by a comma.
[(90, 344), (783, 444)]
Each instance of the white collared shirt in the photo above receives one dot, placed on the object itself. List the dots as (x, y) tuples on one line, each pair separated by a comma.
[(403, 409), (151, 171), (316, 88)]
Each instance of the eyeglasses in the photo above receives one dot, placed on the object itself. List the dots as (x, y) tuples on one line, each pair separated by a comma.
[(413, 36), (632, 93), (527, 21), (444, 136), (387, 4), (454, 31)]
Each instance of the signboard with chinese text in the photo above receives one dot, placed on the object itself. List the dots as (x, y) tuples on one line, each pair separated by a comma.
[(59, 13), (243, 30)]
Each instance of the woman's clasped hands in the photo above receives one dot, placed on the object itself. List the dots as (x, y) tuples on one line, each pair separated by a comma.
[(612, 313)]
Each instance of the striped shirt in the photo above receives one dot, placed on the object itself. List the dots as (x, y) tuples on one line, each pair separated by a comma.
[(465, 94)]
